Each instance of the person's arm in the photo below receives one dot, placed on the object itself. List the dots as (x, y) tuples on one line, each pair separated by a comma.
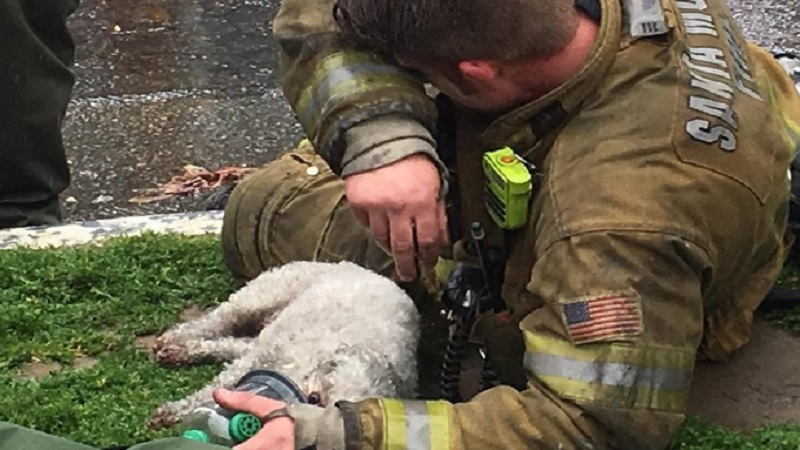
[(370, 120), (609, 358), (360, 110)]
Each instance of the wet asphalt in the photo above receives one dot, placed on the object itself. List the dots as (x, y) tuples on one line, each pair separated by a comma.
[(161, 84), (164, 83)]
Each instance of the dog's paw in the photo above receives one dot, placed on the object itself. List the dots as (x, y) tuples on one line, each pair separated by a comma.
[(163, 417), (170, 353)]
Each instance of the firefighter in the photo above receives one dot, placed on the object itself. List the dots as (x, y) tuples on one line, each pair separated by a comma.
[(660, 141)]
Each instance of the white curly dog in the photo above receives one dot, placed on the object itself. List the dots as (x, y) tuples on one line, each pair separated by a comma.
[(341, 332)]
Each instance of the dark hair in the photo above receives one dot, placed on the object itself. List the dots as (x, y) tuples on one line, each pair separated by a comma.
[(455, 30)]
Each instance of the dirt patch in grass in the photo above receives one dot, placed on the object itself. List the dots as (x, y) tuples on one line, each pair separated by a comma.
[(759, 386), (38, 370), (191, 313), (145, 342)]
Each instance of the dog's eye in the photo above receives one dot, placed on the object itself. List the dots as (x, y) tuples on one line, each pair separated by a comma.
[(314, 398)]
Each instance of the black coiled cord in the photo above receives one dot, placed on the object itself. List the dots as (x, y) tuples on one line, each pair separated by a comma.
[(488, 376), (451, 364)]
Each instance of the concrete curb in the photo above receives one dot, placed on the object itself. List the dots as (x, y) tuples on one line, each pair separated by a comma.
[(93, 231)]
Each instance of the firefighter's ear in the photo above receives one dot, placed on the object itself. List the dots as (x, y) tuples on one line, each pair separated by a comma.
[(479, 70)]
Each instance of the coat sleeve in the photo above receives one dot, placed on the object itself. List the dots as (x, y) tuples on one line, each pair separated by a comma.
[(333, 88), (609, 358), (15, 437)]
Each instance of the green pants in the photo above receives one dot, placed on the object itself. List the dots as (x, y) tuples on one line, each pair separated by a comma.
[(13, 437), (37, 52)]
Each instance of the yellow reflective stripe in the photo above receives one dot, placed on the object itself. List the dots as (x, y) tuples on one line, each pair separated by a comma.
[(342, 75), (638, 398), (394, 425), (618, 375), (653, 355), (609, 373), (415, 424)]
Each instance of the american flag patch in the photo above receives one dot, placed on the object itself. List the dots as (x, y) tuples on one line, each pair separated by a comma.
[(607, 317)]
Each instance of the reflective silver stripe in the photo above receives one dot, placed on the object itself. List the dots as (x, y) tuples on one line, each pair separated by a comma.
[(342, 81), (607, 373), (418, 425)]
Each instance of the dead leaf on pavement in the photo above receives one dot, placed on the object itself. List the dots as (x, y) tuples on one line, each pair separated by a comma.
[(193, 179)]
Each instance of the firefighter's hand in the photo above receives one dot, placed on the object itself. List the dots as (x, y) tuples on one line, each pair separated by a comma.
[(310, 426), (276, 434), (400, 204)]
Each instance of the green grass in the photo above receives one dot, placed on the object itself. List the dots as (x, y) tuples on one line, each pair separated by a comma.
[(60, 305)]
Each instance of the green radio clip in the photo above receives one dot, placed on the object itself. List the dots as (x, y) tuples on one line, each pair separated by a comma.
[(508, 189)]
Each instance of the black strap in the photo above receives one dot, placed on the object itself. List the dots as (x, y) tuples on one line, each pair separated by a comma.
[(546, 120), (552, 115), (592, 8)]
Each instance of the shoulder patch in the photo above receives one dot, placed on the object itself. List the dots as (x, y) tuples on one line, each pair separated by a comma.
[(607, 317)]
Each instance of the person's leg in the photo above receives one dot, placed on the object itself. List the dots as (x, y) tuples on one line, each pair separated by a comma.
[(36, 82), (293, 209)]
